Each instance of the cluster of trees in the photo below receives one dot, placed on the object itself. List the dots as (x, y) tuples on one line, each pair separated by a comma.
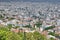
[(34, 36), (51, 27), (6, 34), (54, 34)]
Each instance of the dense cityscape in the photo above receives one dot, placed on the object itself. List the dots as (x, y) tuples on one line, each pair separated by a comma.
[(29, 21)]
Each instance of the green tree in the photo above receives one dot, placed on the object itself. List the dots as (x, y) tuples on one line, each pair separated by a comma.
[(21, 34), (28, 26), (8, 35), (38, 36), (51, 27), (29, 36), (51, 38), (9, 26), (38, 24)]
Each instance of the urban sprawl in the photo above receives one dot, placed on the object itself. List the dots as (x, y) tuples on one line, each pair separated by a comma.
[(31, 17)]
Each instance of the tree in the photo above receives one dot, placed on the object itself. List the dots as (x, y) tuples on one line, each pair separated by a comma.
[(38, 24), (28, 26), (9, 26), (51, 38), (12, 36), (4, 28), (51, 33), (1, 17), (29, 36), (8, 35), (38, 36), (16, 27), (51, 27)]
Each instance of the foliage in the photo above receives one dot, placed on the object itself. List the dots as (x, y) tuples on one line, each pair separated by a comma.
[(21, 35), (12, 36), (8, 35), (1, 17), (35, 36), (29, 36), (52, 33), (28, 26), (38, 36), (10, 18), (38, 24), (16, 27), (9, 26), (4, 28), (51, 27), (52, 38)]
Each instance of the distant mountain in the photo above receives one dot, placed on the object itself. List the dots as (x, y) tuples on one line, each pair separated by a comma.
[(30, 0)]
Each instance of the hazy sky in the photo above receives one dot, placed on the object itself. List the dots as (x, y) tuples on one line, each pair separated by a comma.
[(31, 0)]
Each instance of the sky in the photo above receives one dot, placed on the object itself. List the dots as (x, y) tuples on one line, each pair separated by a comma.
[(30, 0)]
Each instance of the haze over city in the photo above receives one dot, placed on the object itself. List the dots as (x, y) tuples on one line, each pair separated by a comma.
[(30, 0)]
